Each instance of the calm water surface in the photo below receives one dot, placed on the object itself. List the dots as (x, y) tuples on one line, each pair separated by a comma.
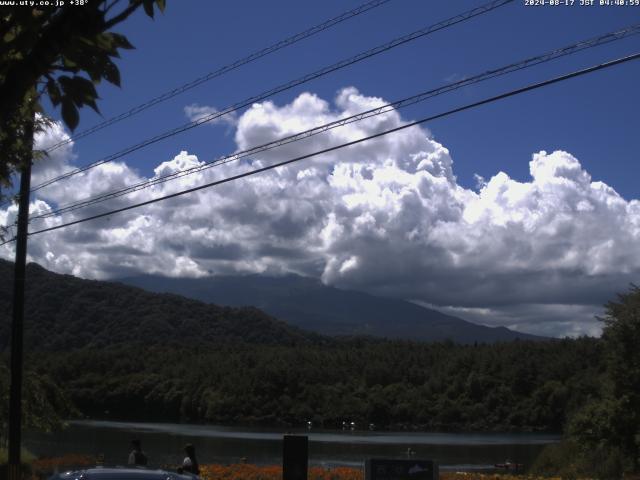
[(163, 444)]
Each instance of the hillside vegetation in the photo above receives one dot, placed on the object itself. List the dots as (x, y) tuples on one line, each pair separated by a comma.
[(87, 314), (513, 386), (148, 356), (145, 356)]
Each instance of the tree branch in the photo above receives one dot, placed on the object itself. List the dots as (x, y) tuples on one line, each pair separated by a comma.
[(122, 15), (109, 7)]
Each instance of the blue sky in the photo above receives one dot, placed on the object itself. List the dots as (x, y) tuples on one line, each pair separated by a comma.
[(593, 118), (538, 248)]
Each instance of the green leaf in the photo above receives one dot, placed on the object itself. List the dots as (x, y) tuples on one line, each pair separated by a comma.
[(93, 105), (94, 71), (82, 55), (70, 113), (54, 92), (148, 7), (85, 88), (161, 5), (107, 43), (65, 82), (111, 73), (78, 89), (121, 41), (91, 42), (68, 63)]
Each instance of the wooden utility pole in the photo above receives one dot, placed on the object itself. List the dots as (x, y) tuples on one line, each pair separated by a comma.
[(15, 392)]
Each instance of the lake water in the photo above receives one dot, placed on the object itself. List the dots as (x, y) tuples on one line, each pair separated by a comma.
[(163, 443)]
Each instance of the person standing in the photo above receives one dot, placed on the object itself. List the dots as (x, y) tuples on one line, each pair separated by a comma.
[(137, 456), (190, 463)]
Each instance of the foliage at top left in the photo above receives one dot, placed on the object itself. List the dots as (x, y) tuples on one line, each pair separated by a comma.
[(63, 53)]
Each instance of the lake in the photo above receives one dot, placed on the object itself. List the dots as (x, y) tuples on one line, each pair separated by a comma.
[(163, 443)]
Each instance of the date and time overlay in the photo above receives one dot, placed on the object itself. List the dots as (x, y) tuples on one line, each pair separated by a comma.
[(581, 3), (526, 3)]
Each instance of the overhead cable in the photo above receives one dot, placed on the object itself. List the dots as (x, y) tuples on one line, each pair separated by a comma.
[(511, 93), (223, 70), (529, 62), (286, 86)]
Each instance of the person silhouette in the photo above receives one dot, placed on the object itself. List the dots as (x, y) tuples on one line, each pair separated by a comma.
[(137, 456), (190, 462)]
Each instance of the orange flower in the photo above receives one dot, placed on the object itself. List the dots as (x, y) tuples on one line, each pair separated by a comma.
[(43, 467)]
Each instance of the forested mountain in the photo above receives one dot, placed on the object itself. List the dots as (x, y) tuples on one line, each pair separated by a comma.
[(308, 304), (64, 312), (148, 356)]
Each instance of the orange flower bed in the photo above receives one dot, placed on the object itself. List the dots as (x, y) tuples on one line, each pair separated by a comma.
[(42, 467), (62, 463), (244, 471), (489, 476), (274, 472)]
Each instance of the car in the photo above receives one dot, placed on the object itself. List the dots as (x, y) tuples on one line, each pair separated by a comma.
[(122, 473)]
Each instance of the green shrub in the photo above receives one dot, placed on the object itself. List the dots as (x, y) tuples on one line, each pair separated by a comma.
[(569, 461)]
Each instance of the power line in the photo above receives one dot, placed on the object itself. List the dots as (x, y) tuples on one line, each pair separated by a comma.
[(529, 62), (511, 93), (287, 86), (225, 69)]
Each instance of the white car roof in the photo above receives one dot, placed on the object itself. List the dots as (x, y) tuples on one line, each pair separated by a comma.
[(121, 473)]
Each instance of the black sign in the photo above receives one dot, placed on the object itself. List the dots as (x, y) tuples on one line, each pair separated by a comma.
[(295, 457), (381, 469)]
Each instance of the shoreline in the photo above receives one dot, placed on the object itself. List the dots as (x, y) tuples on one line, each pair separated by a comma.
[(452, 438)]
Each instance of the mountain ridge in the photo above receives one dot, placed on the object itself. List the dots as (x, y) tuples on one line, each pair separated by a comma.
[(77, 313), (80, 313), (308, 304)]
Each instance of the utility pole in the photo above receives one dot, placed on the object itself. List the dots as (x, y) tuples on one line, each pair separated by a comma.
[(15, 392)]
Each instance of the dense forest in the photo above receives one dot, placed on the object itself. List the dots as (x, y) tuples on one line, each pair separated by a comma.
[(510, 386)]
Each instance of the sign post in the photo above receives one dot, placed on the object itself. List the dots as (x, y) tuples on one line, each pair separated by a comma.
[(295, 457)]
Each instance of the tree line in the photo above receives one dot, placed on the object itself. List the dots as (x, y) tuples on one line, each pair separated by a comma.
[(523, 386)]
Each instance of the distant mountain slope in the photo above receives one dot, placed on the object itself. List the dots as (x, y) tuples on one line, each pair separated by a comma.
[(64, 312), (308, 304)]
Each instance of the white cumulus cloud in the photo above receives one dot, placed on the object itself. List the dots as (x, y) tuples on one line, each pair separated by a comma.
[(386, 216), (196, 112)]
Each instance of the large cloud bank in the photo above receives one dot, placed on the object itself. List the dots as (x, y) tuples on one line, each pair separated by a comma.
[(385, 216)]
